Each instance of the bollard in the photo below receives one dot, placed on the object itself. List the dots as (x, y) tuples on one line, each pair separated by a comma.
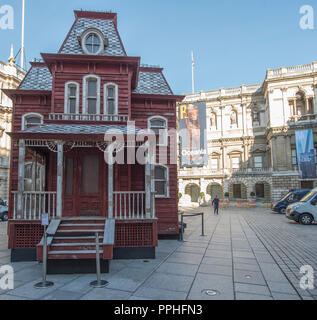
[(182, 228), (202, 225), (44, 283), (99, 283)]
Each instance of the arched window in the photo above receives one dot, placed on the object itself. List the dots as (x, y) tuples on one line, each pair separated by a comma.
[(300, 104), (213, 120), (91, 95), (159, 125), (71, 98), (31, 120), (161, 181), (111, 99)]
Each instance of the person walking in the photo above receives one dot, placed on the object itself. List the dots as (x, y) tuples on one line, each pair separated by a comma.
[(215, 204)]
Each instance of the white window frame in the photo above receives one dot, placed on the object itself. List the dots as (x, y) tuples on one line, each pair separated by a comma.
[(85, 93), (29, 115), (167, 179), (66, 98), (86, 34), (160, 118), (116, 98)]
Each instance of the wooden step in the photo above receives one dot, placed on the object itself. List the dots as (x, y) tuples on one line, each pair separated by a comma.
[(74, 246), (70, 240), (73, 254), (79, 231)]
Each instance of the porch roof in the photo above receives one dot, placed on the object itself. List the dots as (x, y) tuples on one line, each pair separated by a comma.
[(73, 131)]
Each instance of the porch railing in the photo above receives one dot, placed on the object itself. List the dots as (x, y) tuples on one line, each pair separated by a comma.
[(131, 206), (34, 204), (88, 117)]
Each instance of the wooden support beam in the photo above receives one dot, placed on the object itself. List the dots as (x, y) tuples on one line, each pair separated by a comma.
[(21, 174), (60, 169), (110, 189)]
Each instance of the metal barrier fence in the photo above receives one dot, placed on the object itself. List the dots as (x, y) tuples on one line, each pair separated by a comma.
[(192, 215)]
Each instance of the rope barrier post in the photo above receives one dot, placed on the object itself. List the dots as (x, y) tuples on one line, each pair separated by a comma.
[(202, 225), (99, 283), (182, 228), (44, 283)]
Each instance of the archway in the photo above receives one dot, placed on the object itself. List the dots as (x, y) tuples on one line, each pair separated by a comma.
[(215, 189), (193, 191)]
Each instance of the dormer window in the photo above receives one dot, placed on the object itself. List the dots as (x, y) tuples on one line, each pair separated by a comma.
[(93, 41), (31, 120)]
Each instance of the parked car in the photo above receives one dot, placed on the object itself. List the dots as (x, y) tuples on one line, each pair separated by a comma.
[(304, 211), (3, 211), (292, 197)]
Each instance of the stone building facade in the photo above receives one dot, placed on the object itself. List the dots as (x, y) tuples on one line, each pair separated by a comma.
[(10, 78), (251, 137)]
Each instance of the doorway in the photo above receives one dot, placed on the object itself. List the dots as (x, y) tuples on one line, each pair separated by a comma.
[(84, 184), (259, 190), (237, 191)]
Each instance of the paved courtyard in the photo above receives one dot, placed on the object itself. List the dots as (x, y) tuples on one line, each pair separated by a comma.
[(244, 255)]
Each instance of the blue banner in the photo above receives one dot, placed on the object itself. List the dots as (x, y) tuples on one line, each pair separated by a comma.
[(305, 154)]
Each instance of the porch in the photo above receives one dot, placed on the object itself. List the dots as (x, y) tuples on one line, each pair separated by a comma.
[(71, 181)]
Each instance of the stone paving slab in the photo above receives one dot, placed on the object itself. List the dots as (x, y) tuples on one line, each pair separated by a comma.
[(245, 255)]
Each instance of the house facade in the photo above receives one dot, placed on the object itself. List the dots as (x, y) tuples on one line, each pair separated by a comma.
[(10, 78), (62, 111), (251, 137)]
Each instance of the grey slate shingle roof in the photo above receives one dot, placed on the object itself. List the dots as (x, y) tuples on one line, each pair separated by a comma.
[(107, 27), (38, 78), (79, 129), (152, 83)]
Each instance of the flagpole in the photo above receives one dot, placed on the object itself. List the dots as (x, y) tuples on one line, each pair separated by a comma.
[(22, 41), (193, 77)]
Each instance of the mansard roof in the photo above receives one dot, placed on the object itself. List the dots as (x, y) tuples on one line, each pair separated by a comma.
[(105, 24), (38, 78), (152, 82)]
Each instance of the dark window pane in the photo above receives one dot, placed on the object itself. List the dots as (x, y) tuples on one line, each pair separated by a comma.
[(110, 107), (34, 120), (160, 173), (92, 106), (92, 88), (72, 105), (110, 92), (90, 174), (69, 176), (72, 91), (158, 123), (160, 188)]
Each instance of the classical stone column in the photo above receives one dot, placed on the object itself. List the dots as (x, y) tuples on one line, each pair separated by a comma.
[(21, 174), (244, 118), (59, 186)]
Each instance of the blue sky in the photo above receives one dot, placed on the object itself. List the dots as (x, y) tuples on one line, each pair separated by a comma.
[(234, 42)]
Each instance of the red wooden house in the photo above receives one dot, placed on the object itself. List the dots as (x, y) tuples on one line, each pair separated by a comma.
[(62, 110)]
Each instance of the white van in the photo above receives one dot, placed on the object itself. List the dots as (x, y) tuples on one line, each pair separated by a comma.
[(304, 211)]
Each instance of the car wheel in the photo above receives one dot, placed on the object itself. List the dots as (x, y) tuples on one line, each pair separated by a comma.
[(283, 210), (306, 219), (5, 216)]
